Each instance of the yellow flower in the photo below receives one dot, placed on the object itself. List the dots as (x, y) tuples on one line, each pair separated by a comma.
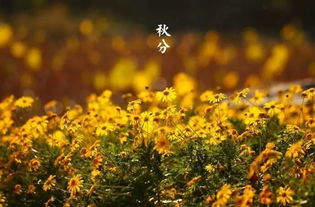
[(284, 195), (267, 165), (223, 196), (104, 98), (146, 122), (216, 138), (97, 161), (309, 93), (141, 80), (251, 115), (95, 174), (35, 127), (269, 156), (168, 95), (266, 197), (273, 108), (146, 96), (162, 145), (58, 138), (238, 96), (134, 106), (258, 96), (123, 137), (209, 168), (216, 98), (75, 185), (310, 122), (205, 96), (6, 121), (294, 89), (49, 183), (24, 102), (104, 129), (246, 199), (293, 129), (34, 164), (295, 149)]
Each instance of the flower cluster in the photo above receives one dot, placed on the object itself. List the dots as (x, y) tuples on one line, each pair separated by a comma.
[(162, 148)]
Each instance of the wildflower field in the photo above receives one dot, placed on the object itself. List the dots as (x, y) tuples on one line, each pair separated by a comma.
[(91, 116), (224, 151)]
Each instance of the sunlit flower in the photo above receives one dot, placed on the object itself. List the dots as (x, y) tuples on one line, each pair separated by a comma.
[(75, 185), (24, 102), (284, 195), (309, 93), (104, 129), (49, 183), (205, 96), (216, 98), (239, 96), (246, 199), (295, 150), (273, 108), (34, 164), (223, 196), (168, 95), (146, 122), (294, 89), (209, 168), (258, 96), (266, 197), (162, 145), (134, 106), (95, 174)]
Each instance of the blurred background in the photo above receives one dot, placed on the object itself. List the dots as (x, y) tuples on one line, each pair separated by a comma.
[(66, 50)]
